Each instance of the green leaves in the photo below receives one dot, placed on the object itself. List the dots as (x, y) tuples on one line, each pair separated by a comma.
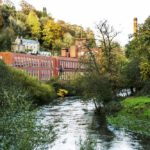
[(51, 32), (34, 24), (138, 50)]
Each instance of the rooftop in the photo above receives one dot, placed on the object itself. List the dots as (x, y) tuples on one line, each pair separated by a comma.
[(26, 41)]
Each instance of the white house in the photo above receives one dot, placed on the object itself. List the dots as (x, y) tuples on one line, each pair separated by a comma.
[(25, 45)]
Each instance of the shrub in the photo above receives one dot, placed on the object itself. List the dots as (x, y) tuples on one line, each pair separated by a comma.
[(18, 129), (39, 93)]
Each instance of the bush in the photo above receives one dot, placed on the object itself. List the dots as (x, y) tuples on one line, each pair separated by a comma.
[(67, 85), (97, 87), (39, 93), (146, 88), (18, 122), (18, 129)]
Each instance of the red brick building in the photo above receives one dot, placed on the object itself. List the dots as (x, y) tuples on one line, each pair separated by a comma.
[(42, 67)]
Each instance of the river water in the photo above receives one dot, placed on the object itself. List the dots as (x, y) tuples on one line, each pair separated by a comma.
[(74, 123)]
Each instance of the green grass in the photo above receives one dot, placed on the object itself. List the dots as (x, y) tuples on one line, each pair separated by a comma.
[(133, 101), (134, 116)]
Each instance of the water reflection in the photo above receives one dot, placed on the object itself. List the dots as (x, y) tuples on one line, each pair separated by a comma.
[(74, 120)]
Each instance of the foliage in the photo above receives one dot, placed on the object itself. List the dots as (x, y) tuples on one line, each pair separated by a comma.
[(26, 7), (67, 40), (1, 19), (6, 37), (131, 76), (138, 50), (102, 79), (62, 92), (34, 24), (39, 92), (134, 116), (91, 38), (18, 122), (18, 127), (51, 32), (97, 88), (145, 69), (69, 86)]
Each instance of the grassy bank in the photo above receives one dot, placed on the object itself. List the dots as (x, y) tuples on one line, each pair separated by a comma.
[(13, 80), (19, 94), (134, 116)]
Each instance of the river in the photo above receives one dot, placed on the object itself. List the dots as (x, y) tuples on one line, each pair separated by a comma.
[(75, 123)]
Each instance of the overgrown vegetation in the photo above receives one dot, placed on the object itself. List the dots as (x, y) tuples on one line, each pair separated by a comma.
[(71, 86), (138, 53), (19, 94), (18, 122), (38, 92), (102, 79), (134, 116)]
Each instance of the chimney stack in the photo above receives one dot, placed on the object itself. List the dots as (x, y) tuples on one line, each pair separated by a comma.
[(135, 25)]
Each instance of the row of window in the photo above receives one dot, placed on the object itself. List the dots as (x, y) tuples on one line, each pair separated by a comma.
[(34, 73), (40, 74), (31, 47), (68, 75), (69, 64), (45, 75), (31, 62)]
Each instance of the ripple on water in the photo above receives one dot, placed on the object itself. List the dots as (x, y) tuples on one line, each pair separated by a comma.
[(74, 120)]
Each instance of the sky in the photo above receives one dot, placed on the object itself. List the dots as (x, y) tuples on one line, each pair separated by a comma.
[(88, 13)]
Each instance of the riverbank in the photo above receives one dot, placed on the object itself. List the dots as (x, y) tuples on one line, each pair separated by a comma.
[(20, 96), (134, 116)]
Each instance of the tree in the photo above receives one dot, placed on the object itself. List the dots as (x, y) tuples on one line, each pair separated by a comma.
[(91, 38), (9, 3), (103, 68), (6, 37), (26, 7), (34, 24), (138, 50), (1, 19), (67, 40), (106, 35), (51, 32), (6, 12)]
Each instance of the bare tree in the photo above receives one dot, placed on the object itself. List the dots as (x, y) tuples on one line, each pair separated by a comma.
[(101, 68), (106, 36)]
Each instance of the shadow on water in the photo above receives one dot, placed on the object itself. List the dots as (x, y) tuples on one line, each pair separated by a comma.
[(103, 134), (108, 138), (77, 126)]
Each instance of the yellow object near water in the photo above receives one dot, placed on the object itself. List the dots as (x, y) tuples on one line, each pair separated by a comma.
[(62, 92)]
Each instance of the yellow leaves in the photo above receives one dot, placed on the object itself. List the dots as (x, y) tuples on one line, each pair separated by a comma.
[(145, 69), (33, 22), (51, 32), (62, 92)]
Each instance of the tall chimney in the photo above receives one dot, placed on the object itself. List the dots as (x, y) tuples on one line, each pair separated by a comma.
[(135, 25)]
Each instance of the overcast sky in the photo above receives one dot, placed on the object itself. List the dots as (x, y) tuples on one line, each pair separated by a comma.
[(119, 13)]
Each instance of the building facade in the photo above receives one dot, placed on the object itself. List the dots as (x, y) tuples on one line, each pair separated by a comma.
[(25, 45), (43, 67)]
